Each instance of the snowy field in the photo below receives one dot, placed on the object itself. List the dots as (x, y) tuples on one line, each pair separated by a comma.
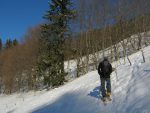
[(130, 93)]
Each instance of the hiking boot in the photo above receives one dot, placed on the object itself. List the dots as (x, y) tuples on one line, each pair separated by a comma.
[(104, 99), (108, 94)]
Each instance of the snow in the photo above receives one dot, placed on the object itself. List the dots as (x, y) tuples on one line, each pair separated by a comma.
[(130, 92)]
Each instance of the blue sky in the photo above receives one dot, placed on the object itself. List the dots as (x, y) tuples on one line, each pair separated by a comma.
[(16, 16)]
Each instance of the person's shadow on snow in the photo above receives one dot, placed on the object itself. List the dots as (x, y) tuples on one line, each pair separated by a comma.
[(95, 92)]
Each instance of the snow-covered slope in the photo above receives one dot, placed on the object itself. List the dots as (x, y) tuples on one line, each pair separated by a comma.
[(130, 93)]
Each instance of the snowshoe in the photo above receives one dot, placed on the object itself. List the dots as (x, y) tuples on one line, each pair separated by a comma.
[(104, 100), (109, 96)]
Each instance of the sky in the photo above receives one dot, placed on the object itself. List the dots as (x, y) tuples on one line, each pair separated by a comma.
[(16, 16)]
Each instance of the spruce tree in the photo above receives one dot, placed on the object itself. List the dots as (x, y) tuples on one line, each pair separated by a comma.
[(1, 44), (15, 42), (53, 37), (8, 43)]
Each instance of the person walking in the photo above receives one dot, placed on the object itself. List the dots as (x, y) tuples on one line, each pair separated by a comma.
[(104, 70)]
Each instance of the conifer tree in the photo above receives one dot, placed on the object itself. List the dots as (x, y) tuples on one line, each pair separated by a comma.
[(53, 38), (9, 43), (1, 44), (15, 42)]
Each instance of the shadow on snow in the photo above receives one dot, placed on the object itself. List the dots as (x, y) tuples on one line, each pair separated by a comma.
[(78, 102), (95, 92)]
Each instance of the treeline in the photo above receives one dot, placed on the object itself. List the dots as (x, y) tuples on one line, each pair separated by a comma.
[(8, 44), (18, 63), (92, 40), (38, 61), (104, 24)]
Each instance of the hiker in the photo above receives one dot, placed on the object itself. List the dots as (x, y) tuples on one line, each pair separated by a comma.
[(104, 70)]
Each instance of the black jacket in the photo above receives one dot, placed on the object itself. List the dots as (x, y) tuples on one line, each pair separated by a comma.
[(101, 70)]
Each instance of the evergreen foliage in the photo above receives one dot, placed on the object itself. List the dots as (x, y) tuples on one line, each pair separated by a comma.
[(9, 43), (51, 60), (15, 42), (1, 44)]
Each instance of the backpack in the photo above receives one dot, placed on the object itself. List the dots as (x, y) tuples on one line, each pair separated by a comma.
[(106, 65)]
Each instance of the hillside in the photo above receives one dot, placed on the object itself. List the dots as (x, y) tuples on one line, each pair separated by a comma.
[(130, 93)]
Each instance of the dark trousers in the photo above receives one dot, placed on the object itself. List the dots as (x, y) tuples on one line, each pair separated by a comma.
[(105, 82)]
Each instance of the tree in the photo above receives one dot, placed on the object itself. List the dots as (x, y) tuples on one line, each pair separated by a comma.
[(15, 42), (18, 63), (9, 43), (51, 61), (1, 44)]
